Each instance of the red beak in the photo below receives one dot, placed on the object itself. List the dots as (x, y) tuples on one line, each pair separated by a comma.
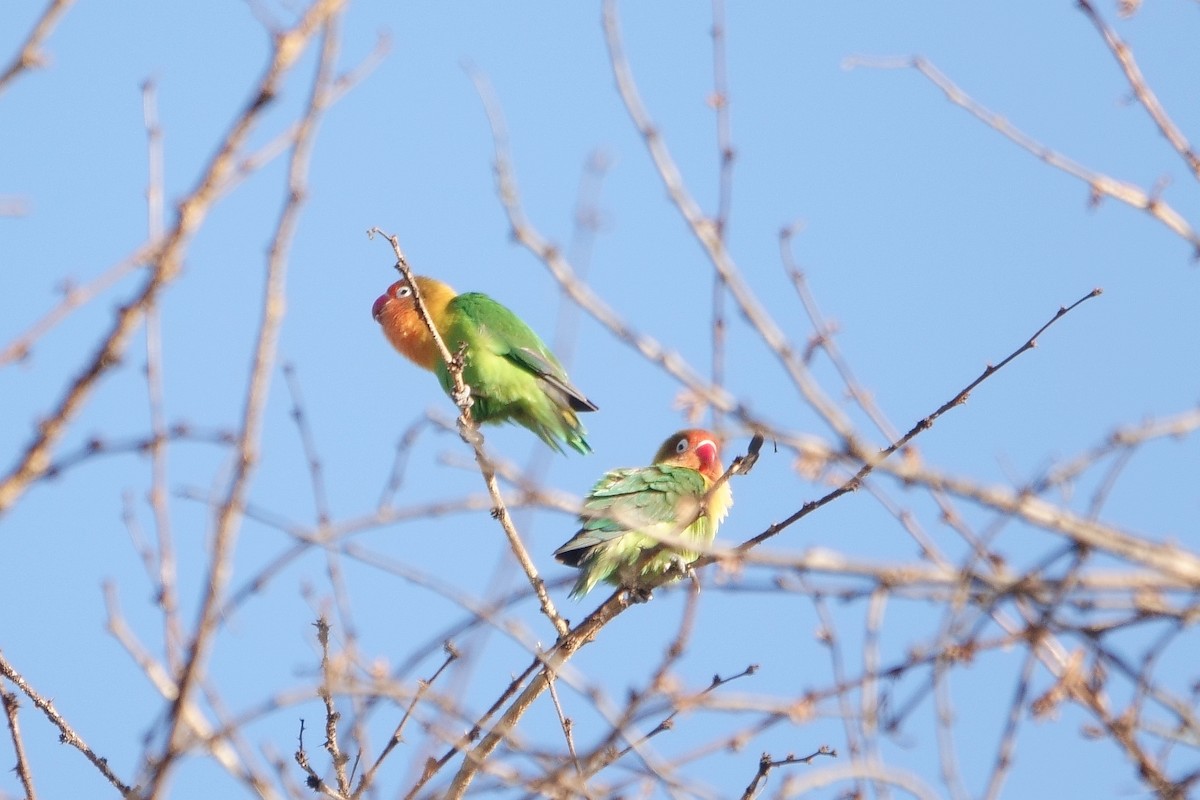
[(377, 309), (706, 451)]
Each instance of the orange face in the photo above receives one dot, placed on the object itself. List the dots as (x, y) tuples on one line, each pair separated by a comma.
[(694, 448), (396, 312)]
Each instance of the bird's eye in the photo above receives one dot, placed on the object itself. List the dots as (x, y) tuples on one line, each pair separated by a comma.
[(681, 446), (404, 291)]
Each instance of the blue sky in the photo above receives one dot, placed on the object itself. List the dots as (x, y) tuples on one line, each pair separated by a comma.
[(936, 245)]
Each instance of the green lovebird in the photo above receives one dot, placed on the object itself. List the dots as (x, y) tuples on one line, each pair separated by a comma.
[(635, 508), (513, 376)]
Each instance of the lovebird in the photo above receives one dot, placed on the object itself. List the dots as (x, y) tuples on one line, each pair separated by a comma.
[(633, 509), (512, 375)]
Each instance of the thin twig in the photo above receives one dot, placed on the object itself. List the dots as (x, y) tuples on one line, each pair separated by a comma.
[(167, 258), (706, 234), (922, 425), (11, 705), (1098, 183), (29, 56), (720, 102), (1141, 89), (368, 778), (67, 734), (289, 46), (766, 764), (329, 681)]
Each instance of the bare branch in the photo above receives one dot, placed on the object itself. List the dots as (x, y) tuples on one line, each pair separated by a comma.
[(30, 56), (1141, 89), (67, 734), (1098, 183)]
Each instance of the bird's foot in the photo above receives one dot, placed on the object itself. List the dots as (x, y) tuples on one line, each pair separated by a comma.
[(639, 594), (677, 566), (462, 398), (469, 433)]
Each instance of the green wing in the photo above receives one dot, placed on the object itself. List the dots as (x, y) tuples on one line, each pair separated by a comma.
[(506, 335), (512, 374), (627, 512)]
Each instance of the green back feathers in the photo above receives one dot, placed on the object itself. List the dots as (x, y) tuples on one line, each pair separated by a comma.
[(632, 510), (512, 374)]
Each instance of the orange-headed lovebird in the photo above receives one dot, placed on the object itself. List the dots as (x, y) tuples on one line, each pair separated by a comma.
[(513, 376), (636, 508)]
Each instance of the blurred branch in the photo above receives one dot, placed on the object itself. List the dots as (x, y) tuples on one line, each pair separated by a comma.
[(922, 425), (708, 236), (164, 576), (720, 101), (29, 56), (1141, 89), (876, 773), (167, 256), (319, 18), (823, 336), (367, 781), (1098, 183), (73, 297), (1122, 440), (1169, 560), (216, 742)]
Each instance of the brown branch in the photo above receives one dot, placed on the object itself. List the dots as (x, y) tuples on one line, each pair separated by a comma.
[(766, 764), (720, 101), (314, 781), (1098, 183), (1141, 90), (329, 680), (73, 297), (668, 722), (606, 753), (288, 47), (67, 734), (706, 234), (29, 56), (922, 425), (164, 575), (367, 781), (166, 257), (11, 705)]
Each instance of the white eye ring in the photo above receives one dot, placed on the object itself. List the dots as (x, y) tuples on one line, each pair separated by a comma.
[(404, 291), (681, 446)]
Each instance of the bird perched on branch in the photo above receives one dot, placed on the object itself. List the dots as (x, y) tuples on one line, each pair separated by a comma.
[(512, 375), (632, 510)]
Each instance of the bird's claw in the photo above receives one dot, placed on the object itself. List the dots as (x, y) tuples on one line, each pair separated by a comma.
[(461, 398), (469, 434), (676, 563), (639, 594)]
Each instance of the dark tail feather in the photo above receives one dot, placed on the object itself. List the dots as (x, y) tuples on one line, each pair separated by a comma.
[(580, 403)]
